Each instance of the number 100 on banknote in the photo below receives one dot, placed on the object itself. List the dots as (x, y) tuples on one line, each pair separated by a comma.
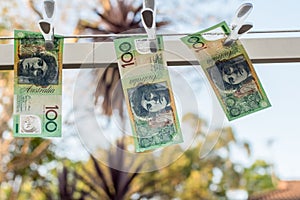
[(148, 94)]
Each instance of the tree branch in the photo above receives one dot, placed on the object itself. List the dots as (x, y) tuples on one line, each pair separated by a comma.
[(22, 162), (34, 9)]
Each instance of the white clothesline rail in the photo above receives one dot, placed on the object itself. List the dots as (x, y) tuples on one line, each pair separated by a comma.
[(102, 54)]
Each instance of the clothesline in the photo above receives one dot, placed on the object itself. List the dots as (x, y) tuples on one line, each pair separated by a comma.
[(164, 34)]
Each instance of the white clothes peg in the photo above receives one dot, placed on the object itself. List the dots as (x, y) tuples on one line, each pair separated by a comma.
[(49, 8), (149, 22), (46, 25), (47, 30), (238, 27)]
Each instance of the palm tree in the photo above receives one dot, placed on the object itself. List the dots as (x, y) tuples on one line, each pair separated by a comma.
[(99, 181), (116, 16)]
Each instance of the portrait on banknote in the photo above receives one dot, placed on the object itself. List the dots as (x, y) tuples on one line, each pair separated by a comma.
[(40, 68), (152, 113), (233, 76), (151, 102)]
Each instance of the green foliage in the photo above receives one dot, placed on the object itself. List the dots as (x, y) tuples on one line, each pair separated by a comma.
[(259, 177), (191, 177)]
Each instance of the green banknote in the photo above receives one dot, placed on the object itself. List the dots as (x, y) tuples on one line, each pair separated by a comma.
[(148, 94), (37, 86), (229, 71)]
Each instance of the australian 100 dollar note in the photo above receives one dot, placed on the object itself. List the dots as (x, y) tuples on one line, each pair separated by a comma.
[(37, 86), (229, 71), (148, 94)]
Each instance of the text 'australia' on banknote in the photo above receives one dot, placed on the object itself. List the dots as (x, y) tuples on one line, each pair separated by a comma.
[(37, 86), (229, 71), (148, 94)]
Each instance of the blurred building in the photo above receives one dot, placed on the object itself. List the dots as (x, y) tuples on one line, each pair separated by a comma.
[(286, 190)]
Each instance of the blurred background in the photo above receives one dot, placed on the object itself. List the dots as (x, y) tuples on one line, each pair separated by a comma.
[(95, 159)]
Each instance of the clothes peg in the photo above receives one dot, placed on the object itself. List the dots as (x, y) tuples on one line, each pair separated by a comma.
[(46, 25), (47, 30), (149, 22), (237, 26), (49, 8)]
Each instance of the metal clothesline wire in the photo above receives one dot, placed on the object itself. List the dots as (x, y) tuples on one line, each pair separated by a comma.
[(163, 34)]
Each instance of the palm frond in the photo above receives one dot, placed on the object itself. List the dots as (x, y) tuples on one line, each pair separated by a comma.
[(66, 188), (102, 177), (91, 185), (126, 183), (107, 19)]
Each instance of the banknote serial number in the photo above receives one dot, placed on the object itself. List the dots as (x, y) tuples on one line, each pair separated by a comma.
[(126, 57), (197, 44), (51, 117)]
